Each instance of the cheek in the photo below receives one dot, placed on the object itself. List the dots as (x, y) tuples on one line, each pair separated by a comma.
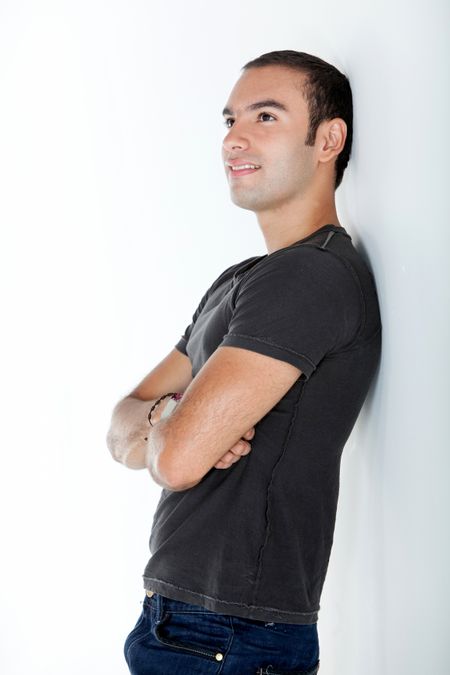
[(301, 162), (287, 167), (290, 173), (287, 160), (284, 155)]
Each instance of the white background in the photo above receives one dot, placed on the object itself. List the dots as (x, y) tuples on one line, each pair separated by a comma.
[(115, 218)]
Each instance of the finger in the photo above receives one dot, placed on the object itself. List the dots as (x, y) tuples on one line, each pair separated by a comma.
[(233, 454), (230, 457), (221, 465), (227, 460), (249, 434), (241, 448)]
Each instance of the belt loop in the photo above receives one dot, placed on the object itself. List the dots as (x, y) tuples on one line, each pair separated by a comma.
[(159, 607)]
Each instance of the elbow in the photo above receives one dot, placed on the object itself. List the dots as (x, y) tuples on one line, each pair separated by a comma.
[(112, 445), (176, 477), (172, 460)]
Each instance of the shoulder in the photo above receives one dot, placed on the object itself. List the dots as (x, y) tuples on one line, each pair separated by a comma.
[(303, 263), (233, 269)]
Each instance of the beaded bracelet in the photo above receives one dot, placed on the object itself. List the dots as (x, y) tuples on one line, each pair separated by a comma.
[(175, 395)]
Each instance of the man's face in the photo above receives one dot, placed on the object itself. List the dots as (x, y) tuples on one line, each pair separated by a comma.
[(269, 137)]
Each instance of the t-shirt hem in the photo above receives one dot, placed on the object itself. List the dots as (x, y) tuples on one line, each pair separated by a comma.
[(241, 610), (268, 348)]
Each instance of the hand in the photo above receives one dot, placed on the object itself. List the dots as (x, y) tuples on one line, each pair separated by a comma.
[(159, 410), (242, 447)]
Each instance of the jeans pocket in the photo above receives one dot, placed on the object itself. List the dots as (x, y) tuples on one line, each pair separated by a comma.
[(204, 634)]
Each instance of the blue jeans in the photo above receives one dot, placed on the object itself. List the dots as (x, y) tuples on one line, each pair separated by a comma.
[(176, 638)]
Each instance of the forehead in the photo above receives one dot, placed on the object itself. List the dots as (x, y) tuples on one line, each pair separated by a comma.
[(269, 82)]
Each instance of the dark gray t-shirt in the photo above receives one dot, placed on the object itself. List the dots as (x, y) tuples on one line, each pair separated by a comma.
[(254, 540)]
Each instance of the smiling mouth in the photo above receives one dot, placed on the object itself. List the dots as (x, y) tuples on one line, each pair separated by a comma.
[(242, 172)]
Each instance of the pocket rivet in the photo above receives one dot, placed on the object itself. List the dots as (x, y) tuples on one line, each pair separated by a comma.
[(219, 656)]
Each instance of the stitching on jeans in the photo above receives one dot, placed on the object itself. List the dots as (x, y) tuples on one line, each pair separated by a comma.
[(267, 670), (227, 602)]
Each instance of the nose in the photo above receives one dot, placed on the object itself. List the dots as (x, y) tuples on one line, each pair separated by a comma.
[(235, 139)]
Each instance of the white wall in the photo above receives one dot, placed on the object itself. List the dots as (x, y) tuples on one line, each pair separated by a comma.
[(114, 209)]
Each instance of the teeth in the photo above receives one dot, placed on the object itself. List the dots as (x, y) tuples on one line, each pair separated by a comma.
[(245, 166)]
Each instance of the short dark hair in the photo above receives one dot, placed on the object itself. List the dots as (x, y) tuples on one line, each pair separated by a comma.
[(327, 93)]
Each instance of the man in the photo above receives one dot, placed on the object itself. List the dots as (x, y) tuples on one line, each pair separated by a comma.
[(281, 352)]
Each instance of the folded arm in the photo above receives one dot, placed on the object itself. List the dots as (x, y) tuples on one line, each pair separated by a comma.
[(234, 389), (129, 429), (129, 422)]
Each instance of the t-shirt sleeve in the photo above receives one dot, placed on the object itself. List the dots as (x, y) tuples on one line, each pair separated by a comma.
[(184, 339), (182, 342), (297, 305)]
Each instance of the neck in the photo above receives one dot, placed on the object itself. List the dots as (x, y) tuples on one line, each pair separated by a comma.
[(292, 220), (283, 229)]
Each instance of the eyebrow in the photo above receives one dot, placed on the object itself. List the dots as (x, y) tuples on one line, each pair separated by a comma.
[(267, 103)]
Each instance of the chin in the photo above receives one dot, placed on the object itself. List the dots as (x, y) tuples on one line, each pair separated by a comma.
[(245, 202), (242, 205)]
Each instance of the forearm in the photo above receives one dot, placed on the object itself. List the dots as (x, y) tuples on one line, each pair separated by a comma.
[(132, 440), (155, 446), (128, 430)]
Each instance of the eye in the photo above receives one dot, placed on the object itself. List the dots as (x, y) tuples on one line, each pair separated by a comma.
[(266, 113), (229, 119)]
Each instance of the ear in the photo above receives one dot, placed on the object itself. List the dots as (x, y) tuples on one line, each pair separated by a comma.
[(331, 135)]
